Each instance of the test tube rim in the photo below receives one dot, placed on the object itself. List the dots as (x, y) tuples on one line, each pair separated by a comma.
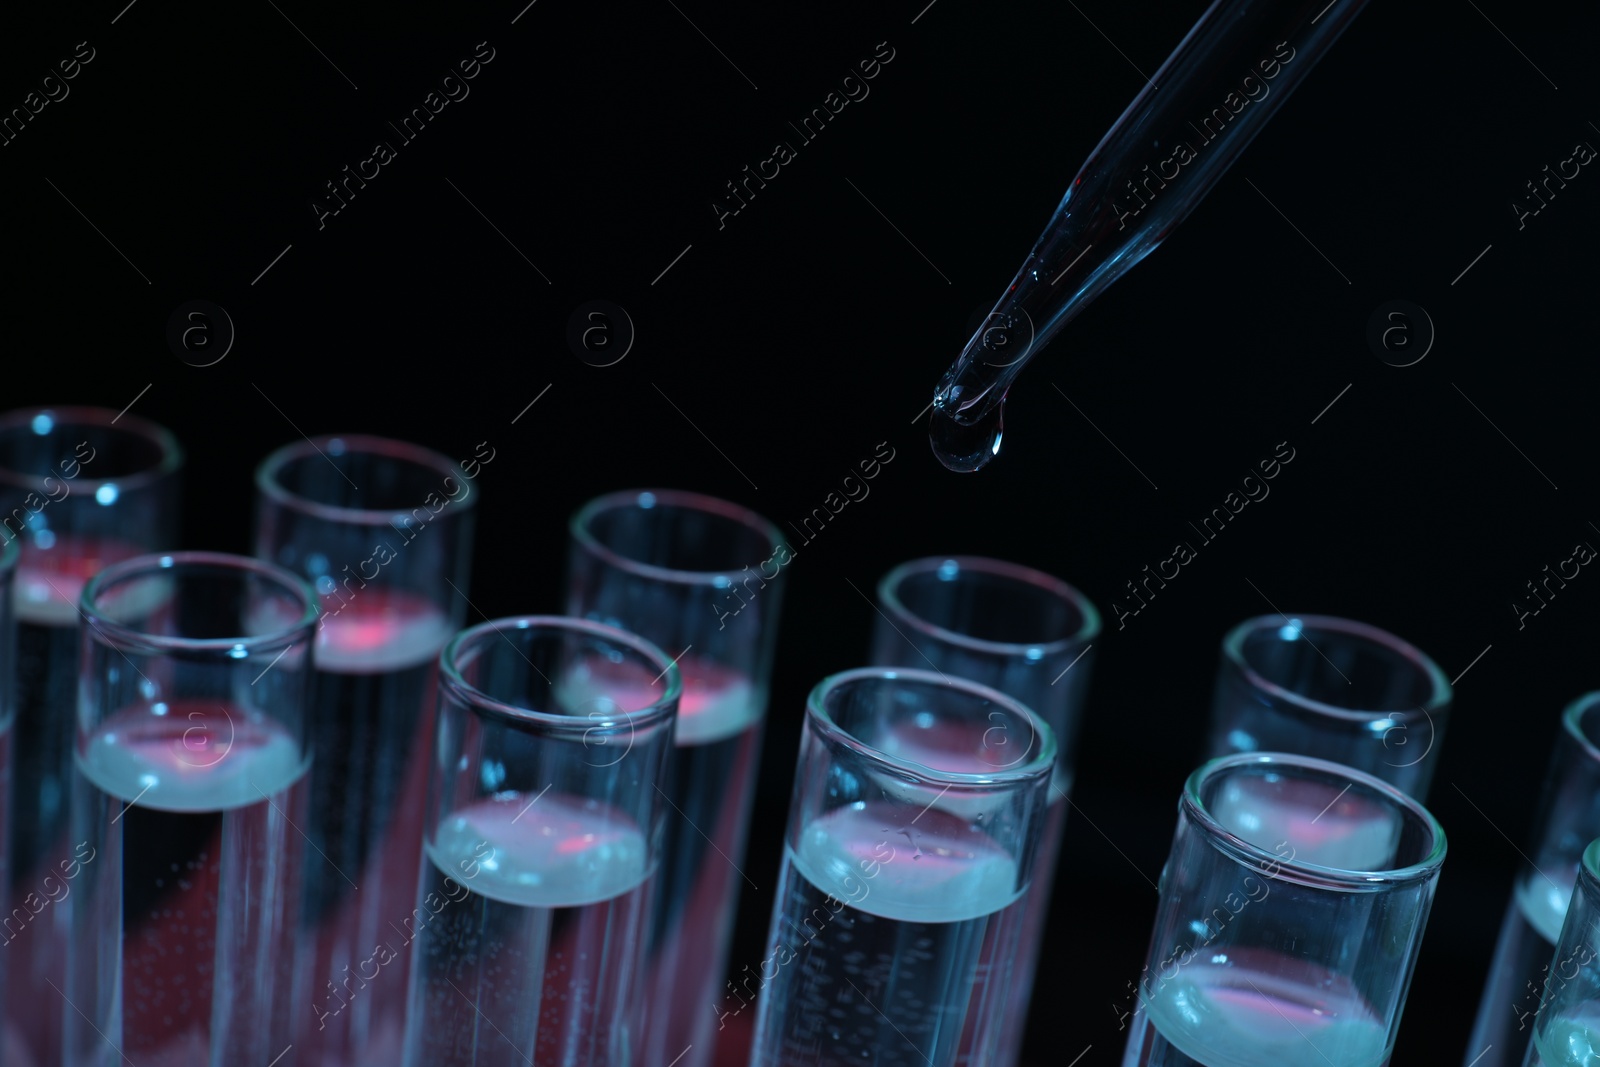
[(1191, 806), (578, 526), (101, 418), (1572, 723), (1591, 866), (888, 595), (388, 447), (1287, 699), (128, 638), (820, 720), (459, 689)]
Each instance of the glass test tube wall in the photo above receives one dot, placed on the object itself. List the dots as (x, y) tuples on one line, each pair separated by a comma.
[(545, 809), (702, 579), (1332, 688), (1026, 634), (9, 553), (1292, 907), (80, 489), (1566, 1028), (1568, 819), (192, 755), (918, 807), (383, 530)]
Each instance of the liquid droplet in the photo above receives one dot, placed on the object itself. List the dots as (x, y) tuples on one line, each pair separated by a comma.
[(966, 446)]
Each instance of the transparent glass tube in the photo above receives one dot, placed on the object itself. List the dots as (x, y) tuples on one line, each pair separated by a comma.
[(702, 579), (545, 811), (80, 488), (1334, 688), (1030, 636), (383, 531), (1218, 89), (1568, 819), (9, 553), (1566, 1031), (192, 752), (1292, 907), (918, 809)]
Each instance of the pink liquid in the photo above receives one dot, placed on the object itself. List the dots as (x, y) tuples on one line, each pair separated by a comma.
[(1320, 823), (376, 661), (381, 630), (49, 582), (717, 703), (1258, 1009)]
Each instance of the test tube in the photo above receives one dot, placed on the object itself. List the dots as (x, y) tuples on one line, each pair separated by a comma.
[(80, 488), (192, 752), (1333, 688), (1568, 819), (1566, 1026), (702, 579), (918, 808), (383, 530), (1292, 907), (1026, 634), (9, 552), (545, 808)]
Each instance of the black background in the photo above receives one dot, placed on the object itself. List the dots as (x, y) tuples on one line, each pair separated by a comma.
[(808, 330)]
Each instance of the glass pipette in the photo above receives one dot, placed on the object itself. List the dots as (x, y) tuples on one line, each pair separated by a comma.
[(1208, 101)]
